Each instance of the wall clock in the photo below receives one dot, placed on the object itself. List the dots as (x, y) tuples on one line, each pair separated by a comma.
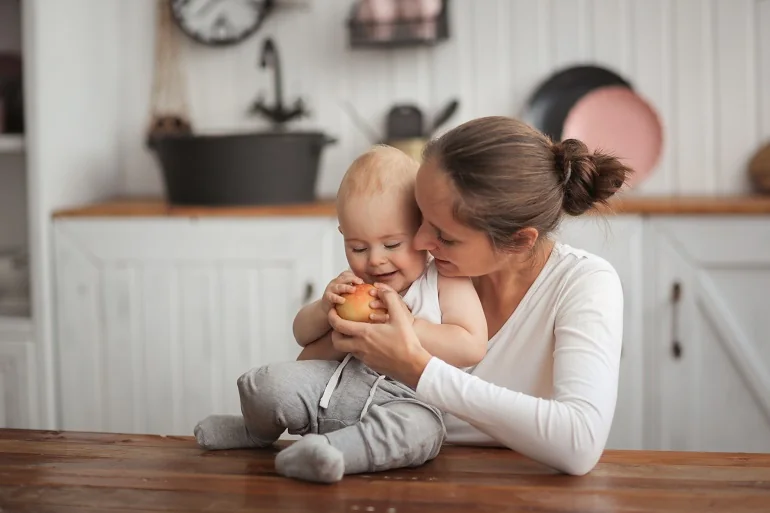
[(220, 22)]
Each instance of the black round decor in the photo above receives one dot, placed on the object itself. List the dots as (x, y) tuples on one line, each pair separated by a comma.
[(549, 105)]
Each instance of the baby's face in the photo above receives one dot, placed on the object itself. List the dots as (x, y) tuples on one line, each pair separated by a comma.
[(378, 235)]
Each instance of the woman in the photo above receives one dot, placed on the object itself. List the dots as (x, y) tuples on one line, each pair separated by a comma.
[(491, 191)]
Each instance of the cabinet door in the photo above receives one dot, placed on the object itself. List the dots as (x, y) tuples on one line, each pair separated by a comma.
[(158, 318), (619, 241), (709, 333), (18, 393)]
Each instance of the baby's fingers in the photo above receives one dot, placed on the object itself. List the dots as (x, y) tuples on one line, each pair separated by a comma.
[(341, 288), (377, 305), (334, 298), (349, 277)]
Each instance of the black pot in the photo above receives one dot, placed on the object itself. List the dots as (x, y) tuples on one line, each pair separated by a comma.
[(259, 168)]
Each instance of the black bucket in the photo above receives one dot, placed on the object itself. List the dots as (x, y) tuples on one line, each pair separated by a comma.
[(258, 168)]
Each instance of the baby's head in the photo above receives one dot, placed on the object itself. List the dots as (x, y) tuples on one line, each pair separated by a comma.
[(378, 218)]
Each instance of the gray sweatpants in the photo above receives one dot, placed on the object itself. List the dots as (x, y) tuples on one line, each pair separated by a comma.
[(397, 430)]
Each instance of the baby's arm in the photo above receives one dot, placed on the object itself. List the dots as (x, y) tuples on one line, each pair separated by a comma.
[(321, 349), (312, 321), (461, 338)]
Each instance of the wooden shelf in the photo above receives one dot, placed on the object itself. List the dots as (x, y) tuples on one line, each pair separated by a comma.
[(11, 144), (670, 205)]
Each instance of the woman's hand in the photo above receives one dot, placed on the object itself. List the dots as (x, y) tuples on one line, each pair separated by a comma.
[(378, 303), (391, 347)]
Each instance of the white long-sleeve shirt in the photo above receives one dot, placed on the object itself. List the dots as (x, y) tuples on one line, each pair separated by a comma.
[(548, 385)]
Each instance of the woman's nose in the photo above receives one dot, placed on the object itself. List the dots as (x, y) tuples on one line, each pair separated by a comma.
[(422, 239)]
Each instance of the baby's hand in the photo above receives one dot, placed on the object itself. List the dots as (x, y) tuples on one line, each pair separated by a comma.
[(342, 284)]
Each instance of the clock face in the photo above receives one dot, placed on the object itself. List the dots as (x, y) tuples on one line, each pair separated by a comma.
[(220, 22)]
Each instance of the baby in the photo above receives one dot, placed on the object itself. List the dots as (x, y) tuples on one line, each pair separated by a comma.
[(353, 419)]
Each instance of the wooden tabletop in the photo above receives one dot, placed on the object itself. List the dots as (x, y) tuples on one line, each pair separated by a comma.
[(46, 472), (153, 207)]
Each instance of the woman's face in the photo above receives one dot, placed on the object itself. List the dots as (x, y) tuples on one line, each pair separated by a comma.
[(458, 249)]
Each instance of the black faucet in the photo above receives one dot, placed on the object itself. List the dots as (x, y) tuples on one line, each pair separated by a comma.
[(277, 113)]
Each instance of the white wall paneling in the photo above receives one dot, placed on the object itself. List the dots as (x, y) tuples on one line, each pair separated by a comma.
[(736, 86), (763, 63), (697, 61), (72, 62)]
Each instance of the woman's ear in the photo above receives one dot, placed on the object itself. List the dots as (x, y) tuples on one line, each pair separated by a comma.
[(525, 239)]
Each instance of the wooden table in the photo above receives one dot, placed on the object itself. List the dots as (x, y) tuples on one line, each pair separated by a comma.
[(84, 472)]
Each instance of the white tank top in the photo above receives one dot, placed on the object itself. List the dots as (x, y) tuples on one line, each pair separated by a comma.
[(422, 295)]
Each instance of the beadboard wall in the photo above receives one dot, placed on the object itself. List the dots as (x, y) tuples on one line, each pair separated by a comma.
[(704, 65)]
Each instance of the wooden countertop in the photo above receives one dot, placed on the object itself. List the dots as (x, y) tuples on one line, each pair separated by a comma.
[(79, 472), (731, 205)]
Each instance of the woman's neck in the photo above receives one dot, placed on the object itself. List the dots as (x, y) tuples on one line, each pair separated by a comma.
[(501, 291)]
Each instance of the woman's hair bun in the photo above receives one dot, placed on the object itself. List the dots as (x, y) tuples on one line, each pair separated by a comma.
[(587, 177)]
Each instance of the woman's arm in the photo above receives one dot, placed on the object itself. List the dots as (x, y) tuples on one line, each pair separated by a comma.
[(461, 338), (569, 431)]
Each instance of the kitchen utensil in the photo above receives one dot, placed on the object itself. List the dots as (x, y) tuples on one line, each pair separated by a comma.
[(404, 122), (169, 106), (368, 132), (444, 115), (260, 168), (759, 169), (616, 120), (549, 105), (412, 147)]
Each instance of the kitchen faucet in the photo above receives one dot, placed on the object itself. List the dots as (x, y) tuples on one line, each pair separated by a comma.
[(278, 113)]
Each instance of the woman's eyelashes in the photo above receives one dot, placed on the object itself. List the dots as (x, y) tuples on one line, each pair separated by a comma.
[(442, 240)]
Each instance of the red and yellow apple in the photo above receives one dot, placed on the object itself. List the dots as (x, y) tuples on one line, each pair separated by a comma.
[(356, 306)]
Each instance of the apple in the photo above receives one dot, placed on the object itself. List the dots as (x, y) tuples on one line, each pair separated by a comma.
[(356, 306)]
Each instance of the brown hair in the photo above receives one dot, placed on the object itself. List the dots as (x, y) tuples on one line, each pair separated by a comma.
[(509, 176)]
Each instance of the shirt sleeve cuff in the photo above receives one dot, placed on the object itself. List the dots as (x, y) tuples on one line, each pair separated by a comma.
[(428, 380)]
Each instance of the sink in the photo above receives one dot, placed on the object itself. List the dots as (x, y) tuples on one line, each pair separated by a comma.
[(275, 166)]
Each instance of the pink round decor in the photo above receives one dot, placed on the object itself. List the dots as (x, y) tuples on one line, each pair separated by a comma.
[(618, 121)]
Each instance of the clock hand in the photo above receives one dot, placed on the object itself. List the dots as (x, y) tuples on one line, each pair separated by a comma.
[(207, 7)]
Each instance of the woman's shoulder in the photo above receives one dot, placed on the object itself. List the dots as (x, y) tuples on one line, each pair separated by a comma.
[(581, 261), (579, 268)]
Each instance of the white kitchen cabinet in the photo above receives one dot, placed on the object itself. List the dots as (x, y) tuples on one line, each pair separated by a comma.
[(18, 390), (157, 318), (619, 240), (709, 333)]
